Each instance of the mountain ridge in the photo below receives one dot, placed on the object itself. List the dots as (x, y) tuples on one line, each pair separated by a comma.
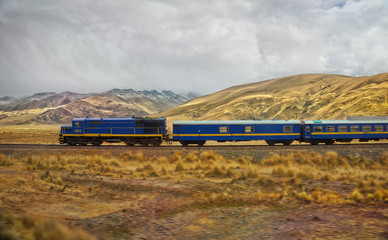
[(55, 108)]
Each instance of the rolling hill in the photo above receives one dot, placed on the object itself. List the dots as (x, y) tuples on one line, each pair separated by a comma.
[(308, 96)]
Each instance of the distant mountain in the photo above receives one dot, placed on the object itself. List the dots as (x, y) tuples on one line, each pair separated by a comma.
[(50, 107), (40, 101), (6, 99), (308, 96)]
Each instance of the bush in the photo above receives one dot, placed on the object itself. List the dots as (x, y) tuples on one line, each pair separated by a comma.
[(5, 160)]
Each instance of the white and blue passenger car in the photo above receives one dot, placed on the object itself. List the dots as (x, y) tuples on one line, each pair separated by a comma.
[(330, 131), (273, 131)]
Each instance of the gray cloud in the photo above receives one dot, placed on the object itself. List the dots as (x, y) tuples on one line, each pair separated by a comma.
[(203, 46)]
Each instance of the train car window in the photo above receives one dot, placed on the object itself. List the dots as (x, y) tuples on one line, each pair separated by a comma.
[(379, 128), (308, 129), (249, 129), (224, 129), (317, 128), (287, 129), (366, 128), (330, 129), (354, 128), (342, 128), (77, 124)]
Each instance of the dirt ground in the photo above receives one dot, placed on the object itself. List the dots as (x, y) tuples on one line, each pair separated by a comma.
[(187, 204)]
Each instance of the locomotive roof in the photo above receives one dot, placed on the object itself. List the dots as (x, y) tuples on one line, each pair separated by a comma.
[(346, 121), (238, 122), (116, 119)]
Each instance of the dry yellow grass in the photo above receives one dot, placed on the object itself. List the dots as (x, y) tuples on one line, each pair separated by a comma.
[(274, 175), (13, 227), (84, 184), (29, 134)]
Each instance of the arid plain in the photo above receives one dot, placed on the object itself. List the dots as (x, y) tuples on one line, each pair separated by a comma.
[(245, 191)]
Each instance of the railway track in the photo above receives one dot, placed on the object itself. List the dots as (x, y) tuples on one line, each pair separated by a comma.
[(354, 146), (372, 151)]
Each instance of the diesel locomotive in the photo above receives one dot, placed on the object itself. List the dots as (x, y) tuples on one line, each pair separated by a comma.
[(152, 132), (132, 131)]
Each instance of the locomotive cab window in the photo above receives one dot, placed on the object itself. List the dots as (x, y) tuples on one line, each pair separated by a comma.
[(317, 128), (366, 128), (224, 129), (342, 128), (249, 129), (77, 124), (287, 129), (354, 128), (330, 129), (379, 128)]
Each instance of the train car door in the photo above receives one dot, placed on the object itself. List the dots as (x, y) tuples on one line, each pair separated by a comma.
[(307, 132)]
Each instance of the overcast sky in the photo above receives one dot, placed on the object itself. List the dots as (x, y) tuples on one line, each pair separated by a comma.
[(202, 46)]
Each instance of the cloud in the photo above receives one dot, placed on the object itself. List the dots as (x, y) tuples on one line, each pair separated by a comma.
[(204, 46)]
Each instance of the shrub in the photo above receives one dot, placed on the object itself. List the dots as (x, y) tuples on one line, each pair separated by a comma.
[(379, 195), (215, 172), (304, 197), (357, 196), (192, 157), (209, 156), (148, 167), (5, 160), (26, 227), (179, 167)]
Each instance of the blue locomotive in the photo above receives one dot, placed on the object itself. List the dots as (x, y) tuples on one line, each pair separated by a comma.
[(152, 132), (132, 131)]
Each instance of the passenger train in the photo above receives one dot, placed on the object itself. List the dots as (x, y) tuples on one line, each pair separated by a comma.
[(153, 132)]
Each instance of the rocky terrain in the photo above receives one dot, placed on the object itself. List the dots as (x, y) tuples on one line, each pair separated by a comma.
[(50, 107)]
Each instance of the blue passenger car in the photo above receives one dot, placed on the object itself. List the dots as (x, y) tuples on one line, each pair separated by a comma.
[(132, 131), (198, 132), (330, 131)]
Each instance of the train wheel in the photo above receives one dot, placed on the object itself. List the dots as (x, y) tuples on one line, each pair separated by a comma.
[(270, 142), (314, 142), (201, 143), (71, 143), (97, 143), (184, 143), (329, 142), (287, 143), (129, 143)]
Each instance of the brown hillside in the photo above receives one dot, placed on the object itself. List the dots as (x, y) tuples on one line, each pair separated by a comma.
[(308, 96), (53, 108)]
